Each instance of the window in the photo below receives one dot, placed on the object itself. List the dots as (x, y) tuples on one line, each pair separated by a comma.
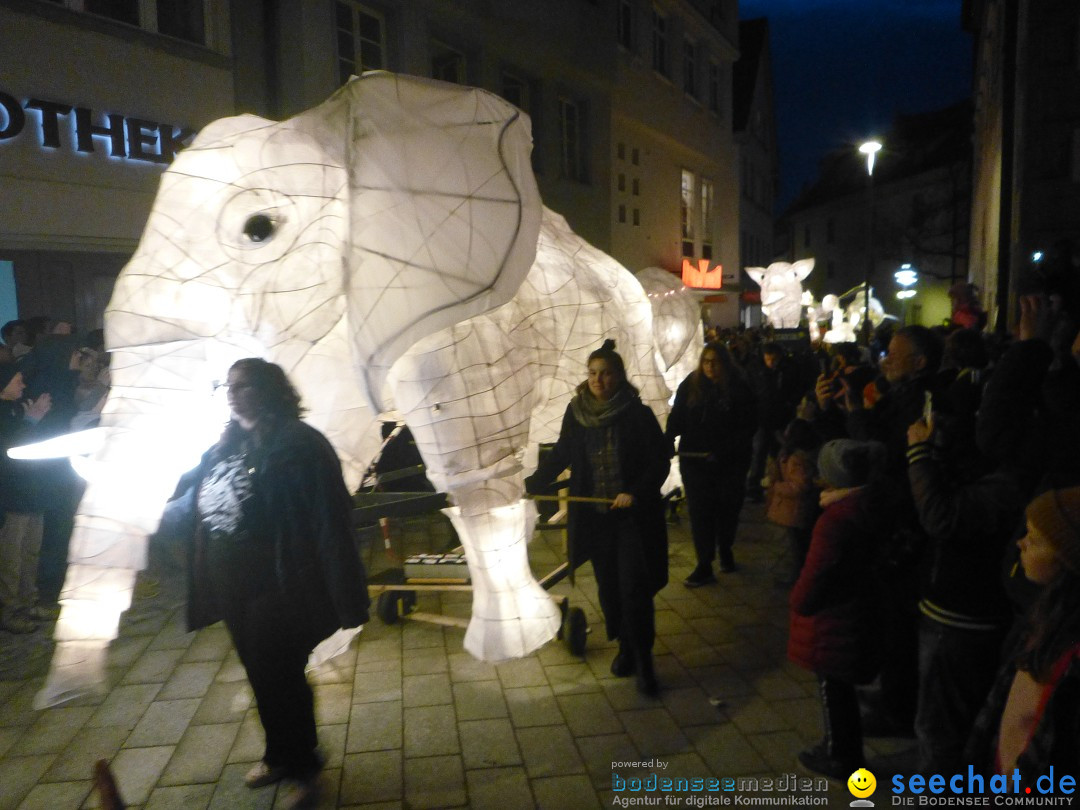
[(622, 213), (524, 93), (622, 182), (447, 64), (620, 151), (689, 78), (516, 90), (360, 40), (182, 19), (624, 24), (714, 88), (636, 187), (659, 43), (637, 216), (706, 212), (634, 156), (686, 211), (572, 140)]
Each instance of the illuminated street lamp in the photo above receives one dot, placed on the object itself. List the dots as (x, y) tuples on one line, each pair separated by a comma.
[(870, 149), (907, 278)]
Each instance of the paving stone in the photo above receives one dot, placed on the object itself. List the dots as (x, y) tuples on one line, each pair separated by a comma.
[(136, 771), (332, 702), (87, 747), (8, 737), (725, 750), (230, 792), (434, 782), (601, 752), (779, 749), (498, 788), (125, 705), (57, 795), (533, 706), (654, 732), (560, 792), (190, 680), (210, 644), (426, 690), (430, 731), (424, 662), (589, 714), (224, 703), (125, 651), (181, 797), (250, 741), (375, 776), (19, 775), (154, 666), (201, 754), (690, 706), (374, 727), (479, 700), (568, 679), (548, 751), (375, 686), (521, 672), (464, 667), (53, 731), (163, 723), (755, 716), (488, 743)]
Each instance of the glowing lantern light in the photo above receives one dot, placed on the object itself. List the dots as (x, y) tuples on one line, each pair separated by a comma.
[(701, 277)]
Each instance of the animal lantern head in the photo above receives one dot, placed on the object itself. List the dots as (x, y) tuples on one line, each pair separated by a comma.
[(781, 291), (403, 204)]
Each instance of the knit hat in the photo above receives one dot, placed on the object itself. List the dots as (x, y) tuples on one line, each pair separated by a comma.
[(1056, 516), (7, 371), (845, 463)]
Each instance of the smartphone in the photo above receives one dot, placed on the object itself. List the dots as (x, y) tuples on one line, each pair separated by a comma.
[(928, 407)]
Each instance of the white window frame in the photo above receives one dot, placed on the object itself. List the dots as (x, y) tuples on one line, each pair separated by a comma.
[(213, 37), (572, 136), (357, 59)]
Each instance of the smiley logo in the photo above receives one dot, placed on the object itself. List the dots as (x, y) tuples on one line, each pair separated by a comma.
[(862, 783)]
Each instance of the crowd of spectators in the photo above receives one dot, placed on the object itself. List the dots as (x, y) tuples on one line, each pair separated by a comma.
[(54, 381)]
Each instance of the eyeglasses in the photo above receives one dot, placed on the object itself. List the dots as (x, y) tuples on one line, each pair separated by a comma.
[(235, 386)]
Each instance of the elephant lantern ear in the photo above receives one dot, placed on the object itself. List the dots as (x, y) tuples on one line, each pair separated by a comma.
[(444, 211)]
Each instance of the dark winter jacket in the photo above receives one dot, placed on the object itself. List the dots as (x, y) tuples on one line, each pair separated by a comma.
[(721, 423), (305, 518), (833, 629), (23, 483), (969, 527), (644, 461)]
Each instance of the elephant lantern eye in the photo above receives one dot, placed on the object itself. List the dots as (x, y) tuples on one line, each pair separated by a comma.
[(259, 228)]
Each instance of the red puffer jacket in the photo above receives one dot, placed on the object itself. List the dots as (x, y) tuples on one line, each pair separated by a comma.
[(833, 626)]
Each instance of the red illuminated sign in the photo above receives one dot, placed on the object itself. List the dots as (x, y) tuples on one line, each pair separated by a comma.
[(701, 277)]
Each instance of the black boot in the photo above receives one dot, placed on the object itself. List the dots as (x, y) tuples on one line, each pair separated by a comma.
[(646, 675), (840, 753), (622, 666)]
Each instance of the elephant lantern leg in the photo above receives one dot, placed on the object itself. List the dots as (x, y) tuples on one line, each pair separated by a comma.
[(511, 614)]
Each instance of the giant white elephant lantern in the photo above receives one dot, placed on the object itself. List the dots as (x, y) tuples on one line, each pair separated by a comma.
[(389, 249)]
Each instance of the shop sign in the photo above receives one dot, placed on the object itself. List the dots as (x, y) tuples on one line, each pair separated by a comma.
[(122, 137), (701, 277)]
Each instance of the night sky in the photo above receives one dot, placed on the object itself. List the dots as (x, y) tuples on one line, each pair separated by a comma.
[(842, 69)]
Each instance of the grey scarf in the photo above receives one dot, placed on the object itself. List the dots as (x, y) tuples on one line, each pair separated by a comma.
[(591, 412)]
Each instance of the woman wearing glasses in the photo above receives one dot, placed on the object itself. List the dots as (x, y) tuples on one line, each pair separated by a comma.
[(271, 553)]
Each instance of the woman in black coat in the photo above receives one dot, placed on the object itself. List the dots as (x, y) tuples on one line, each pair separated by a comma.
[(716, 415), (270, 546), (617, 452)]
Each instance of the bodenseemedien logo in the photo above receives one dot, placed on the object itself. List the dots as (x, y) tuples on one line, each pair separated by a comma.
[(862, 784)]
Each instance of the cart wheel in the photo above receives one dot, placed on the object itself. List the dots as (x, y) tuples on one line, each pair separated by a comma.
[(387, 608), (408, 602), (576, 630)]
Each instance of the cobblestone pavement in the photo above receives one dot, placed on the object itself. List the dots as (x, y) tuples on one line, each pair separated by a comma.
[(407, 719)]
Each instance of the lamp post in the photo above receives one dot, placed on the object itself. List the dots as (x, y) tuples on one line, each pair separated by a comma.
[(870, 149), (906, 277)]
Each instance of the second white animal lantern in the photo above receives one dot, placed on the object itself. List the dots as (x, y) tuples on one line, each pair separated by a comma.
[(389, 249), (781, 291)]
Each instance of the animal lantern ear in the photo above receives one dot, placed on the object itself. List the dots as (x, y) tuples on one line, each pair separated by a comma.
[(444, 211), (802, 268), (757, 274)]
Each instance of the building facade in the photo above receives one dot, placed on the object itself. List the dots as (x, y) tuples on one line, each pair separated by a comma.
[(1025, 232), (759, 165), (630, 102)]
